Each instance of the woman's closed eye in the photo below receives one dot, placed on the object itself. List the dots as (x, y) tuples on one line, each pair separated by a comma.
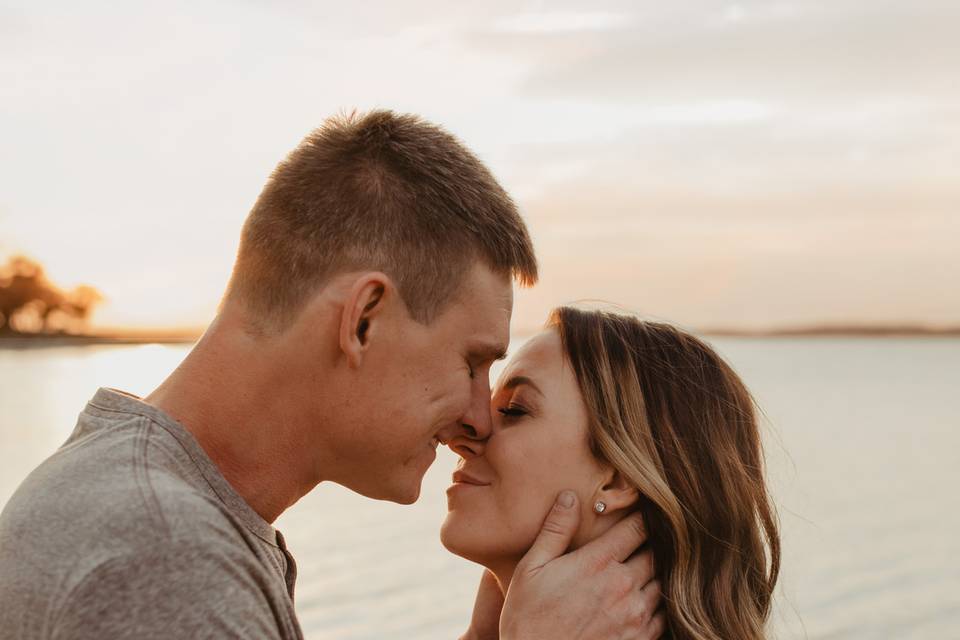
[(513, 410)]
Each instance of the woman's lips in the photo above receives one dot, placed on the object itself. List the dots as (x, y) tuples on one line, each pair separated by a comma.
[(462, 477)]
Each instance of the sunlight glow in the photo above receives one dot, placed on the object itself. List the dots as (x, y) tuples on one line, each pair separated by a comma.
[(809, 152)]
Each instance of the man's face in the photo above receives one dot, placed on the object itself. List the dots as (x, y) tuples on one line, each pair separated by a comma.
[(426, 384)]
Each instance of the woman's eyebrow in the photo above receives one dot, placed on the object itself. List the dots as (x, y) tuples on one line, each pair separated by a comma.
[(516, 381)]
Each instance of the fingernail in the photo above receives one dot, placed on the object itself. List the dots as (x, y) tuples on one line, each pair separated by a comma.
[(566, 499)]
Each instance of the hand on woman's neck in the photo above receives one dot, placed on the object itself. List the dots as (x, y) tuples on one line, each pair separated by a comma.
[(591, 529)]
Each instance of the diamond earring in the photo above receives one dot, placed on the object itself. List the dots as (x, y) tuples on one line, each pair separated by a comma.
[(600, 507)]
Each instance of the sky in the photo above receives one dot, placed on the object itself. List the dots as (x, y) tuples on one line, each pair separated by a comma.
[(749, 165)]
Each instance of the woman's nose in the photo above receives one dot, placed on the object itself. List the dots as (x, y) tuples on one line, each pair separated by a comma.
[(467, 447)]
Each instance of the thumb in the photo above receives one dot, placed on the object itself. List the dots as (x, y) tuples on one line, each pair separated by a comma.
[(555, 535)]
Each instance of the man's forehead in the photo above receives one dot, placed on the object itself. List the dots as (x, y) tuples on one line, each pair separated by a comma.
[(479, 318), (485, 287), (489, 334)]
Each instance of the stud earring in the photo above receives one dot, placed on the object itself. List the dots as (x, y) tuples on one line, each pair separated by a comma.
[(600, 507)]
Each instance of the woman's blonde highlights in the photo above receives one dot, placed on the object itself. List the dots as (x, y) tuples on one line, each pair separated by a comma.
[(670, 415)]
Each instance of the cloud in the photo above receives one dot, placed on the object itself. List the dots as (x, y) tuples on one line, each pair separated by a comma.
[(737, 225), (749, 51), (558, 22), (698, 148)]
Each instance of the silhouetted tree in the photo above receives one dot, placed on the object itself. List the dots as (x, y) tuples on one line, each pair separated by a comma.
[(29, 302)]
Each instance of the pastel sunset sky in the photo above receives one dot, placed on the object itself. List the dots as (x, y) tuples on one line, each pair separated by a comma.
[(718, 164)]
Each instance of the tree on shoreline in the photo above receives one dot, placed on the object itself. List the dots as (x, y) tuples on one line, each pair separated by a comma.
[(31, 304)]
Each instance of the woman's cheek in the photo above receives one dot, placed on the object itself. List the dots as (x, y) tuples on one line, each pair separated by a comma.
[(530, 487)]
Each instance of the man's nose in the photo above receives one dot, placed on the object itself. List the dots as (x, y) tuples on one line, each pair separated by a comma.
[(471, 432), (477, 422), (467, 447)]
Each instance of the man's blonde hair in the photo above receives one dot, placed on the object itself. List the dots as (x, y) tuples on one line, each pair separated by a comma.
[(378, 191)]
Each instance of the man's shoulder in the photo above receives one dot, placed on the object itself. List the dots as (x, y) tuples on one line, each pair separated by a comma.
[(122, 522), (128, 485), (188, 581)]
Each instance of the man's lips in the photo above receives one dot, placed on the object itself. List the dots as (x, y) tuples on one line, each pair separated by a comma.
[(462, 477)]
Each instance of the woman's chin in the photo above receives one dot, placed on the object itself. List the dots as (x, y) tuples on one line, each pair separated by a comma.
[(455, 539), (477, 543), (464, 540)]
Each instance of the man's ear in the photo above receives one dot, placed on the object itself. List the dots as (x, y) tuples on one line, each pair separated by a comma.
[(361, 313), (616, 492)]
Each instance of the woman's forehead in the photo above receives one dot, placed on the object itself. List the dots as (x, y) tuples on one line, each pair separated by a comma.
[(539, 359)]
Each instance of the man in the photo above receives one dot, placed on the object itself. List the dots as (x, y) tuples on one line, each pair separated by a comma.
[(371, 293)]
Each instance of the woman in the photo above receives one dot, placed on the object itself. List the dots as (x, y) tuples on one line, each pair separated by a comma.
[(631, 415)]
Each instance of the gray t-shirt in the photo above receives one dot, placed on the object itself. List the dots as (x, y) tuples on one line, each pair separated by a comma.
[(130, 531)]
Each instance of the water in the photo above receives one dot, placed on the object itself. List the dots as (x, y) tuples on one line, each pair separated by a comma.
[(863, 441)]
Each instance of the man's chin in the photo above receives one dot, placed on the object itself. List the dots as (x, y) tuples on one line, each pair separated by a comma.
[(402, 491), (397, 494), (408, 498), (406, 490), (404, 486)]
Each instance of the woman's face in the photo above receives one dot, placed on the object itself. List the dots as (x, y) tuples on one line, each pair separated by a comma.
[(504, 487)]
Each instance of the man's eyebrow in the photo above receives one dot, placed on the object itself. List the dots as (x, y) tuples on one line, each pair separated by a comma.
[(488, 352), (516, 381)]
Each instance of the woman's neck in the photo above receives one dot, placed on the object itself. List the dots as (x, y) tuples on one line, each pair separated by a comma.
[(504, 573)]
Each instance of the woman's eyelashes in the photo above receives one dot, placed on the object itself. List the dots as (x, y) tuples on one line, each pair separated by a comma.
[(513, 411)]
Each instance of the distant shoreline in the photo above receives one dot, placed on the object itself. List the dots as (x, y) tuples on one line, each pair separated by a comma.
[(837, 331), (38, 341)]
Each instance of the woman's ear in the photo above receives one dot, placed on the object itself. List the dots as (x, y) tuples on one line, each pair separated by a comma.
[(616, 492), (362, 312)]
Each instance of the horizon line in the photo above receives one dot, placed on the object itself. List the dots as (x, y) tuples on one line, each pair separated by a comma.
[(189, 335)]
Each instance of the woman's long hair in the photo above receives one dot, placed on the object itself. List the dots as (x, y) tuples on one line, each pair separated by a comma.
[(670, 415)]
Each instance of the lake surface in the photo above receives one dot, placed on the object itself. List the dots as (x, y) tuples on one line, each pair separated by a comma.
[(863, 447)]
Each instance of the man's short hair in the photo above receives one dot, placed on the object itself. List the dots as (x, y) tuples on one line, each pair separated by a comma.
[(378, 191)]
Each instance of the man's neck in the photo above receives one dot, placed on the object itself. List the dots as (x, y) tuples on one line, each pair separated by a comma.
[(226, 395)]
